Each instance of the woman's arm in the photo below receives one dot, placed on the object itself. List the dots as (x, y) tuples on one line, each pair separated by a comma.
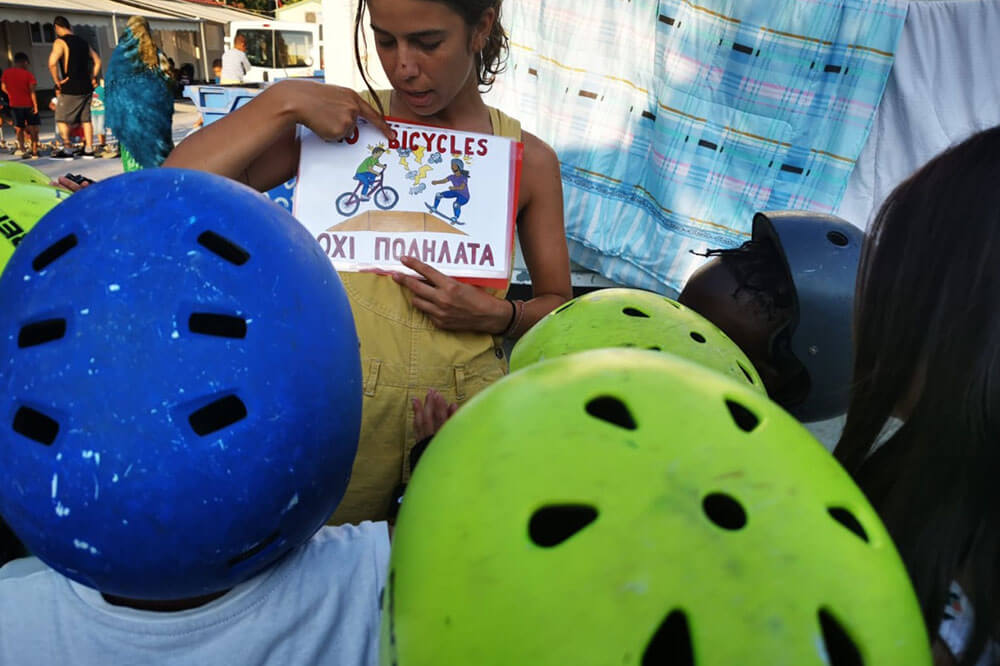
[(542, 233), (256, 143)]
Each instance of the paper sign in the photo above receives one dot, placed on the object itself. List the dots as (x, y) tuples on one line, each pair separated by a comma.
[(448, 198)]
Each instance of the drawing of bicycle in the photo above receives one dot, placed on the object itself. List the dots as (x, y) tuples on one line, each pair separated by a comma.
[(385, 197)]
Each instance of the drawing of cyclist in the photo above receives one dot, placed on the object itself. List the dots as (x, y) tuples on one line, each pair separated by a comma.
[(368, 171)]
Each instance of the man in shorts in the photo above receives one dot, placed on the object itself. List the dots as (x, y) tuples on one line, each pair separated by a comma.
[(75, 67), (19, 84)]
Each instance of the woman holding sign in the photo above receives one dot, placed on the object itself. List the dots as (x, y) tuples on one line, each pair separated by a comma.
[(416, 334)]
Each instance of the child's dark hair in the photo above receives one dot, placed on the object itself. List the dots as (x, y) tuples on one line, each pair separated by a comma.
[(927, 350), (21, 57), (490, 61), (760, 274), (759, 271)]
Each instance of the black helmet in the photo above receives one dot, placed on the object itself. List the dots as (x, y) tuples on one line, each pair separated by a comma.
[(821, 254)]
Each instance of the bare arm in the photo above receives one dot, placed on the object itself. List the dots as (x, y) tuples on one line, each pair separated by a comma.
[(55, 57), (256, 143), (542, 232), (34, 100), (97, 64)]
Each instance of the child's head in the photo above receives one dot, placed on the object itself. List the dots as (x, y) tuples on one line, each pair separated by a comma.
[(636, 319), (182, 385), (217, 67), (927, 351), (433, 49), (639, 509), (23, 201), (21, 59), (786, 298)]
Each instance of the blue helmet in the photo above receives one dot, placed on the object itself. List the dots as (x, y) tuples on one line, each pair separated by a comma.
[(180, 385)]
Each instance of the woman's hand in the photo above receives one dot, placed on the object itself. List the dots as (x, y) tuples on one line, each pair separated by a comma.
[(453, 305), (330, 111)]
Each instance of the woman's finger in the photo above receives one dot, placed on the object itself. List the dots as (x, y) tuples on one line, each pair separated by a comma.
[(434, 276), (418, 287), (372, 115)]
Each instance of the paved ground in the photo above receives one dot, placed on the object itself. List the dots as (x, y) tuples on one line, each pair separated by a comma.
[(185, 116)]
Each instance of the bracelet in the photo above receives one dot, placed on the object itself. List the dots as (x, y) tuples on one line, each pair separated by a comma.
[(513, 315), (516, 320)]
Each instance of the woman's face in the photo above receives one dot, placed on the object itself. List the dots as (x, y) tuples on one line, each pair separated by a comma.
[(426, 50)]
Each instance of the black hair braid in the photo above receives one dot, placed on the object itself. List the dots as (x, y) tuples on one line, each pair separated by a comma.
[(760, 271)]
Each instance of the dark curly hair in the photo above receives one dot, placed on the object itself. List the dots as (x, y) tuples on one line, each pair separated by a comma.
[(490, 61)]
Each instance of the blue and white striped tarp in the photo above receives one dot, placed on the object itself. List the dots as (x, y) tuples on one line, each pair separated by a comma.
[(675, 121)]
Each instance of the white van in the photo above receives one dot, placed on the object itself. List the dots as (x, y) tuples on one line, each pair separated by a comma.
[(279, 49)]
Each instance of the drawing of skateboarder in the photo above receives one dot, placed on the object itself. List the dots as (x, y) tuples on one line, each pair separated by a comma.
[(459, 190)]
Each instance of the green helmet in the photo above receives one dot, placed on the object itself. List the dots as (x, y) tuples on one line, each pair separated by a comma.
[(627, 507), (17, 172), (633, 318), (21, 206)]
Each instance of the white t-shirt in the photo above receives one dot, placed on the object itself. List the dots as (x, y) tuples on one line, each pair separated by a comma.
[(234, 66), (319, 605)]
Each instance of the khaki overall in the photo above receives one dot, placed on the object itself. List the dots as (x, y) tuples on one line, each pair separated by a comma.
[(402, 355)]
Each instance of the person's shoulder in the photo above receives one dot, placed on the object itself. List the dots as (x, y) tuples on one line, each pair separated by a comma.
[(350, 547), (537, 153), (364, 534), (28, 580)]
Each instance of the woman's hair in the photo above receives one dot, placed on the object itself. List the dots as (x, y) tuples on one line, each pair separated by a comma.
[(459, 164), (490, 61), (927, 349), (145, 46)]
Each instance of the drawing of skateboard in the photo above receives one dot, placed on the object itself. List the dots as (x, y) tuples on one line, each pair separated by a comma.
[(452, 220)]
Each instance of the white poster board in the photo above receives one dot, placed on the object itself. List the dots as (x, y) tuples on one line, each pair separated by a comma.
[(447, 198)]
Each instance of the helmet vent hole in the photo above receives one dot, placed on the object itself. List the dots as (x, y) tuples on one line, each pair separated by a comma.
[(847, 519), (612, 410), (217, 415), (837, 238), (744, 419), (562, 308), (746, 373), (724, 511), (41, 332), (840, 649), (671, 644), (53, 252), (223, 247), (698, 337), (254, 550), (677, 306), (551, 525), (633, 312), (223, 326), (35, 425), (654, 348)]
